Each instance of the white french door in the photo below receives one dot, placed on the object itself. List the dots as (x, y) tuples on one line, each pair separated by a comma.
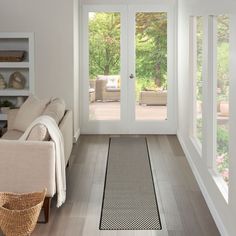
[(128, 84)]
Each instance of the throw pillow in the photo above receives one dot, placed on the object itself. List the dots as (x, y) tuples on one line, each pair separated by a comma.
[(39, 133), (56, 109), (28, 112), (112, 82)]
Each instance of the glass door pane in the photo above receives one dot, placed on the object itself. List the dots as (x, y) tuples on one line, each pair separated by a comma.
[(151, 65), (104, 65)]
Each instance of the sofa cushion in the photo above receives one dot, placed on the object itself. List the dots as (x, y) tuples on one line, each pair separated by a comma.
[(39, 133), (56, 109), (12, 135), (28, 112)]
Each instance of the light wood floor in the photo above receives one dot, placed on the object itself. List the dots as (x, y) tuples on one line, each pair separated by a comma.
[(183, 209)]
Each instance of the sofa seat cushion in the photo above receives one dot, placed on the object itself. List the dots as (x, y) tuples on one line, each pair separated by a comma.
[(12, 135), (28, 112)]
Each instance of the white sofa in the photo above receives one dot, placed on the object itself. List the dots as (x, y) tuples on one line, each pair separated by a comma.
[(28, 166)]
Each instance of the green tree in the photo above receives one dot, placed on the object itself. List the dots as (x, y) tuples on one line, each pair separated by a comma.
[(223, 55), (104, 43), (151, 46)]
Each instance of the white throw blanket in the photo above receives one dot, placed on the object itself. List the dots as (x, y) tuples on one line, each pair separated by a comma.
[(57, 138)]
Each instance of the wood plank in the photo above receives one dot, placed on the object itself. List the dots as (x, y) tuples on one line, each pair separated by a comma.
[(181, 204), (189, 219)]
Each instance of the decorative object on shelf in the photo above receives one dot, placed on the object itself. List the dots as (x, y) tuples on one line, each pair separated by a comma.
[(12, 56), (16, 55), (17, 81), (3, 83), (6, 106), (20, 212), (19, 101)]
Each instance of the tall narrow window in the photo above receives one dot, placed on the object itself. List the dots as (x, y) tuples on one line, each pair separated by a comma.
[(222, 95), (197, 77)]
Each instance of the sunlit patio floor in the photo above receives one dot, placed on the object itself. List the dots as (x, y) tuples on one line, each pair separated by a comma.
[(111, 111)]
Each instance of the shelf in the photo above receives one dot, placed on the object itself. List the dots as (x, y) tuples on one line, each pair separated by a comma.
[(17, 35), (14, 92), (17, 41), (3, 116), (14, 64)]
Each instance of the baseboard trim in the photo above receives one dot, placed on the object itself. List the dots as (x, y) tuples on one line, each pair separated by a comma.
[(203, 188), (76, 136)]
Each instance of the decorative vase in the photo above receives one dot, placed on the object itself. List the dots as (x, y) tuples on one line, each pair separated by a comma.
[(17, 81)]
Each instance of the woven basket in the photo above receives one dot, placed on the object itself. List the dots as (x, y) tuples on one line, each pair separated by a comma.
[(19, 212)]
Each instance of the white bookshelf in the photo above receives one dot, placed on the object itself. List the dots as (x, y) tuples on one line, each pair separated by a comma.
[(17, 41)]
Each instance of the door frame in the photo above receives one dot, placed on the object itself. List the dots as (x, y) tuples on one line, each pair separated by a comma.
[(127, 124), (156, 126)]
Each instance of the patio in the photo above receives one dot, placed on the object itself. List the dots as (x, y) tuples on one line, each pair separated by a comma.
[(111, 111)]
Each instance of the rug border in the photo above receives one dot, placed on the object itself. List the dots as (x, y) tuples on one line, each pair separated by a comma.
[(104, 187), (155, 193)]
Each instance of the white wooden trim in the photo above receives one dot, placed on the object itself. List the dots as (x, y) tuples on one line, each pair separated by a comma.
[(209, 96), (101, 126), (14, 92), (232, 108), (12, 35), (193, 84), (154, 126), (127, 123), (215, 214), (14, 65), (31, 63)]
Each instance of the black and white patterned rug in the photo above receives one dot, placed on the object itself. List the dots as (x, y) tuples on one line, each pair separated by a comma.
[(129, 198)]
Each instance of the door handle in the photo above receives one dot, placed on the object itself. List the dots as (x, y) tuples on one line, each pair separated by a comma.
[(131, 76)]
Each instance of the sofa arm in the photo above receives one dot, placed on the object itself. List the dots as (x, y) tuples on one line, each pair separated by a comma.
[(11, 115), (27, 166)]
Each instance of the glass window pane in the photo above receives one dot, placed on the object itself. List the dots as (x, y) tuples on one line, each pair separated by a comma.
[(222, 159), (104, 66), (198, 79), (151, 66)]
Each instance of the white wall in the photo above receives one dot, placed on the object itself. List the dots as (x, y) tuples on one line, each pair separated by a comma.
[(52, 23), (223, 212)]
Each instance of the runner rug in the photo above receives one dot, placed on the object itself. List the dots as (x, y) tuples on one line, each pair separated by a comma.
[(129, 197)]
